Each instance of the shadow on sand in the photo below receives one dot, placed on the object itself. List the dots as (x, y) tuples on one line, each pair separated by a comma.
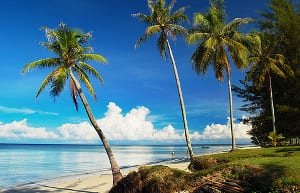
[(41, 188)]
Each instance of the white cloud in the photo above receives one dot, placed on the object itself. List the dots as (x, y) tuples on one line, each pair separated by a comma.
[(81, 132), (131, 126), (134, 125), (218, 131), (21, 130), (24, 111)]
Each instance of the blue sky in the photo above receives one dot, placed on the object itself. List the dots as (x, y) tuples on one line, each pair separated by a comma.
[(138, 101)]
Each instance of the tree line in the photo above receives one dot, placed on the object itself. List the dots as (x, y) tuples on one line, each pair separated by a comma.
[(271, 88), (216, 42)]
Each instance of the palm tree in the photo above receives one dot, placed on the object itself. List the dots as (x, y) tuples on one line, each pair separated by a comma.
[(216, 41), (263, 63), (166, 24), (70, 47)]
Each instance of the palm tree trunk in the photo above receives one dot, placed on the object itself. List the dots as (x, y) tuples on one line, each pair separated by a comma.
[(272, 104), (233, 145), (116, 173), (185, 124)]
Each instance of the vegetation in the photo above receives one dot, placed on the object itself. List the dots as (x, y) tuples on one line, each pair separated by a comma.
[(264, 62), (166, 24), (278, 62), (216, 41), (70, 47), (248, 170)]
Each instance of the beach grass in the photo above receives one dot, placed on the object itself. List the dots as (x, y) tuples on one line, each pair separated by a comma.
[(244, 170)]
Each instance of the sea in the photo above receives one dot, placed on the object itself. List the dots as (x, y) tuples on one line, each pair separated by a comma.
[(22, 164)]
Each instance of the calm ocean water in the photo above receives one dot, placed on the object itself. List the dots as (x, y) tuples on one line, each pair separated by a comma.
[(23, 164)]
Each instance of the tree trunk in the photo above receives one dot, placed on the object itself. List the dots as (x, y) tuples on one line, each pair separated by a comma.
[(272, 105), (186, 130), (116, 173), (233, 145)]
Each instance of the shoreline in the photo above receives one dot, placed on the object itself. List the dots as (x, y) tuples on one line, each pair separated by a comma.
[(94, 182), (85, 182)]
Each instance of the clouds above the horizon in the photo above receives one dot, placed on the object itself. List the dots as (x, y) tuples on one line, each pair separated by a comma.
[(9, 110), (134, 125), (22, 130)]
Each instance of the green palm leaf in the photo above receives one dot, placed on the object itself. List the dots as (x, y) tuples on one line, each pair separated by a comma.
[(83, 77), (91, 70), (58, 81), (43, 63), (93, 57), (70, 46)]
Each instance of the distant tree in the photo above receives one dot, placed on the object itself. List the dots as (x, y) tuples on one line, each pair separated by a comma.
[(216, 41), (166, 24), (70, 47)]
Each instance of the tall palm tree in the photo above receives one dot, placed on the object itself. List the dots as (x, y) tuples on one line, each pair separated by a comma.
[(263, 64), (70, 47), (216, 41), (166, 24)]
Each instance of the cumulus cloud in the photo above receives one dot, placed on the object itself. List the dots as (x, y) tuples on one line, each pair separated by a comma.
[(134, 125), (218, 131), (80, 132), (21, 130)]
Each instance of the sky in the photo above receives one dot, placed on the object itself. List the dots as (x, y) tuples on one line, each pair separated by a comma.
[(138, 102)]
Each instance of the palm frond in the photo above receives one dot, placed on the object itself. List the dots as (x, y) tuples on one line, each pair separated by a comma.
[(91, 70), (236, 23), (171, 5), (144, 18), (150, 31), (83, 77), (216, 14), (200, 21), (219, 72), (161, 44), (141, 39), (238, 53), (179, 16), (58, 82), (177, 30), (93, 57), (43, 63), (197, 37), (45, 82), (201, 58)]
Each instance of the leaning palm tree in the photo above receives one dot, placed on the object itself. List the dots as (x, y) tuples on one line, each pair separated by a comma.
[(70, 47), (216, 41), (263, 64), (166, 24)]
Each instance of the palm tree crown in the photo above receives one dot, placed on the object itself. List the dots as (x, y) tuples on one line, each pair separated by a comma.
[(162, 21), (264, 62), (70, 47), (216, 40)]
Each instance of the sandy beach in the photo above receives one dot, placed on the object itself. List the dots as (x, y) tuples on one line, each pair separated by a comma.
[(100, 183)]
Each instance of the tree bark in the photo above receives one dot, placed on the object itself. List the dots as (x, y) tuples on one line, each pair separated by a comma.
[(233, 145), (116, 173), (272, 105), (185, 124)]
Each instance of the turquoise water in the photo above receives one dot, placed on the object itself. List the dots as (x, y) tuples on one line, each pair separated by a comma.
[(24, 164)]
